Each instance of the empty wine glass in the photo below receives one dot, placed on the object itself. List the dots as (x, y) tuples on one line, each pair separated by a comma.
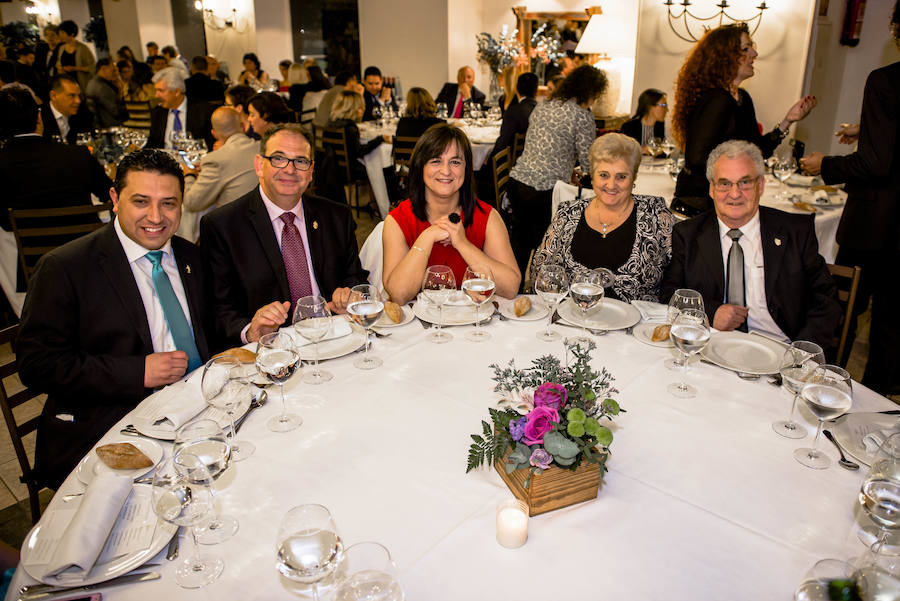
[(277, 360), (182, 497), (674, 167), (879, 497), (653, 145), (478, 284), (818, 579), (683, 298), (552, 285), (312, 320), (365, 308), (376, 115), (438, 284), (799, 362), (828, 394), (689, 334), (667, 146), (308, 547), (224, 385), (587, 289), (441, 110), (783, 169), (367, 573)]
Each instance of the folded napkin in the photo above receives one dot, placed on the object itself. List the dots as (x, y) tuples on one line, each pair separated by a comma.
[(797, 179), (85, 536), (873, 440), (178, 404), (339, 329), (651, 311), (821, 197)]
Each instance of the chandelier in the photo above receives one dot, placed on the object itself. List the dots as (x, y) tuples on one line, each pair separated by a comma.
[(216, 23), (684, 32)]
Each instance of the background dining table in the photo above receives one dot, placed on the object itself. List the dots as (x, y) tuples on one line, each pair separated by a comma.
[(702, 499)]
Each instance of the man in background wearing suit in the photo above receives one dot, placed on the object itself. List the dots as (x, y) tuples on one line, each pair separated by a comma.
[(176, 112), (455, 95), (64, 115), (376, 94), (273, 246), (199, 86), (756, 267), (112, 315), (223, 175)]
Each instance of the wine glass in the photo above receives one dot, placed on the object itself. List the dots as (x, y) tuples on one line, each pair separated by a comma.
[(816, 583), (586, 290), (683, 298), (438, 284), (312, 320), (828, 394), (376, 115), (552, 285), (674, 167), (798, 363), (204, 440), (365, 307), (879, 496), (441, 110), (478, 284), (689, 334), (223, 386), (653, 146), (308, 547), (783, 169), (367, 572), (277, 360), (667, 146), (182, 497)]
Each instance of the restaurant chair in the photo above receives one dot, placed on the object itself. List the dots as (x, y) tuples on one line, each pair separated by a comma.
[(334, 144), (138, 115), (401, 155), (501, 163), (517, 148), (38, 231), (306, 118), (17, 431), (847, 280), (370, 256)]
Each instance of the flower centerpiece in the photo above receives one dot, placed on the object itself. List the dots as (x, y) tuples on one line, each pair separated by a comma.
[(552, 419), (502, 52)]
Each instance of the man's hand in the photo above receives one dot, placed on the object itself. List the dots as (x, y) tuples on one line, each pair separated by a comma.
[(812, 164), (465, 91), (385, 94), (848, 133), (164, 368), (729, 317), (339, 300), (189, 171), (267, 319)]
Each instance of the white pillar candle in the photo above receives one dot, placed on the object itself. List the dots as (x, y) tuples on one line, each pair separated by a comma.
[(512, 523)]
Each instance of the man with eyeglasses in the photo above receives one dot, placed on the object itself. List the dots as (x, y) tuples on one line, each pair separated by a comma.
[(274, 245), (757, 268)]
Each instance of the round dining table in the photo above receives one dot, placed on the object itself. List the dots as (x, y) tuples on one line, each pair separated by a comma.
[(702, 500)]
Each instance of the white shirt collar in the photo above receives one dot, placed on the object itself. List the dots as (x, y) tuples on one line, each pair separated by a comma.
[(182, 111), (275, 211), (749, 229), (56, 113), (133, 250)]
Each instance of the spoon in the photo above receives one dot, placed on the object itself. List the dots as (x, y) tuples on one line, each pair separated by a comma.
[(843, 461)]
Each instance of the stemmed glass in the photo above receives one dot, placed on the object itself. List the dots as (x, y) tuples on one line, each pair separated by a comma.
[(308, 547), (367, 572), (552, 285), (437, 286), (879, 495), (478, 284), (204, 440), (586, 290), (683, 298), (828, 394), (674, 167), (653, 145), (182, 497), (783, 169), (365, 307), (223, 385), (277, 360), (441, 110), (312, 320), (667, 146), (376, 115), (816, 582), (689, 334), (798, 363)]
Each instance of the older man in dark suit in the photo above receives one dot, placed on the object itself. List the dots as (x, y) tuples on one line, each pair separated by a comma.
[(756, 267), (456, 95), (272, 246), (176, 112), (113, 315)]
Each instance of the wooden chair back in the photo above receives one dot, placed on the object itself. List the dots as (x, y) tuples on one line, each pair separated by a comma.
[(336, 140), (402, 151), (847, 279), (138, 115), (501, 163), (517, 148)]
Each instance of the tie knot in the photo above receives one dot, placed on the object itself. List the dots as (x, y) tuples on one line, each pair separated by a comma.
[(734, 234), (155, 257), (175, 111), (288, 218)]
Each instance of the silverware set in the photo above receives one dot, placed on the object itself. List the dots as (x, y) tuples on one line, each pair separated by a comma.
[(47, 592)]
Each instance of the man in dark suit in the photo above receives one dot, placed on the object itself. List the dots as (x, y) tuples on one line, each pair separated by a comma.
[(199, 86), (515, 120), (65, 115), (756, 267), (455, 95), (176, 112), (376, 93), (272, 246), (113, 315), (869, 231)]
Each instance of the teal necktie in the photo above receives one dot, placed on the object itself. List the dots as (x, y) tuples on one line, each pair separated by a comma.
[(178, 325)]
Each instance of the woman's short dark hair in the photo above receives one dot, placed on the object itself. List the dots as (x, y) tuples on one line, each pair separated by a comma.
[(271, 107), (432, 144), (125, 52), (143, 73), (317, 79), (69, 27), (240, 95), (584, 83), (646, 101), (153, 160), (253, 58), (420, 104)]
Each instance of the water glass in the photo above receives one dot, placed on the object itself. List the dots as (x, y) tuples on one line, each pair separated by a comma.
[(478, 284), (827, 393), (223, 385), (277, 360), (798, 363), (879, 497), (367, 572), (308, 547), (689, 334), (552, 285), (437, 285), (365, 308), (312, 321), (683, 298), (587, 289)]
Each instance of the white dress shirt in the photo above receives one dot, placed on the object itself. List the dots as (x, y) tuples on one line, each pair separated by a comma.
[(142, 269), (61, 121), (170, 123), (759, 318)]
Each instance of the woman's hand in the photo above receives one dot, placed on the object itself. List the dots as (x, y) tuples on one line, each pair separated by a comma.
[(801, 109), (438, 235), (455, 232)]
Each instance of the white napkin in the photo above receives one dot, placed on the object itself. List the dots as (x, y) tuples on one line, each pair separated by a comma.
[(821, 197), (339, 329), (873, 440), (86, 534), (180, 403), (802, 180), (651, 311)]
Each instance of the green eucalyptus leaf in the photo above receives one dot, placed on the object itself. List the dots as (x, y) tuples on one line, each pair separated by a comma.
[(564, 461), (559, 446)]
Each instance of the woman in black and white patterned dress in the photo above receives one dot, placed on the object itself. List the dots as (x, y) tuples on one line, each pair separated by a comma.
[(630, 234)]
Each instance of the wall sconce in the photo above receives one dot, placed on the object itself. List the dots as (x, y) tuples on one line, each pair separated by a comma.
[(688, 35), (216, 23)]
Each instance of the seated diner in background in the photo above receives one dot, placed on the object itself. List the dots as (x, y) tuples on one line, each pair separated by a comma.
[(629, 234), (420, 114), (649, 120), (253, 75), (426, 229), (266, 110)]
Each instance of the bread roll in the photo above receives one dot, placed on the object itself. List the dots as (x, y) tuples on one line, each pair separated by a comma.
[(394, 311), (661, 333), (521, 306), (241, 354), (123, 456)]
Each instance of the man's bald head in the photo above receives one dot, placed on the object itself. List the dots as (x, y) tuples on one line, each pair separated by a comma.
[(465, 75), (225, 123)]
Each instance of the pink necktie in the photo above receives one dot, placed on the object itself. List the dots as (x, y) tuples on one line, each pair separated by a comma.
[(294, 258), (457, 112)]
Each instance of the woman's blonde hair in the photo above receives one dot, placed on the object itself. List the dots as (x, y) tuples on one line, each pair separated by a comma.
[(508, 78), (420, 104), (609, 148), (347, 105), (297, 74)]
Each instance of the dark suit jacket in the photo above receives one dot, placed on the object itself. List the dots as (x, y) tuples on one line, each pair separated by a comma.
[(371, 102), (198, 125), (800, 294), (84, 338), (245, 264), (515, 121), (635, 129), (871, 219), (80, 122), (199, 86), (447, 95)]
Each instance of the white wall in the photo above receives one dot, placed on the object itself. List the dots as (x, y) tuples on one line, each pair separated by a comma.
[(122, 26), (464, 24), (77, 10), (273, 27), (155, 19)]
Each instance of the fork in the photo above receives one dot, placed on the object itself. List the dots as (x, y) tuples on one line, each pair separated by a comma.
[(555, 320)]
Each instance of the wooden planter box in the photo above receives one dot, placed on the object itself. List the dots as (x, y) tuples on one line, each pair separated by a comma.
[(554, 488)]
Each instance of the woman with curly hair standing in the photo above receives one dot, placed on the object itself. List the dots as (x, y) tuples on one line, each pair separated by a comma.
[(710, 108)]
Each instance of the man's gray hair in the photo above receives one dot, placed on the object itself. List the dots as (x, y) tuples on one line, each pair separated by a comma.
[(172, 77), (735, 149)]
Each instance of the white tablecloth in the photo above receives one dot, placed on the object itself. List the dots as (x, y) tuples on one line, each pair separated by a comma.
[(702, 501)]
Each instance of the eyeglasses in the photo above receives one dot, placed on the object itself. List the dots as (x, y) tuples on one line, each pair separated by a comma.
[(744, 184), (280, 162), (663, 104)]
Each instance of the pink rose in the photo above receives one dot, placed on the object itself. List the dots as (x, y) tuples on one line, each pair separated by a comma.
[(540, 421), (550, 395)]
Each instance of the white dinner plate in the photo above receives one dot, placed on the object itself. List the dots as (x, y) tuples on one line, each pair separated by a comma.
[(850, 429), (386, 322), (746, 353), (611, 314), (336, 347), (453, 315), (644, 333), (91, 466), (160, 432), (537, 311), (102, 572)]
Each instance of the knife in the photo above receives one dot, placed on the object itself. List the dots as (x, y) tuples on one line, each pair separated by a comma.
[(57, 593)]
